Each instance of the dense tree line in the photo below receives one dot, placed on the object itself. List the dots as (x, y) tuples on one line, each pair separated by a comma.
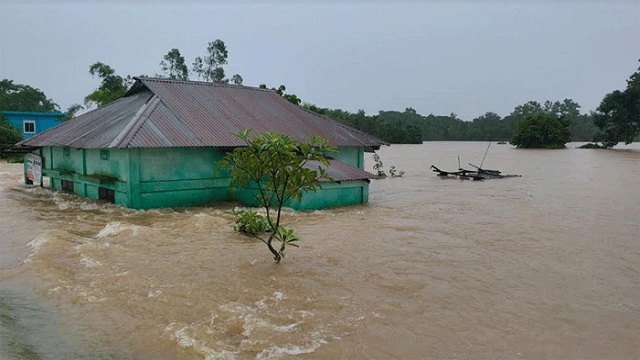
[(616, 119), (409, 127)]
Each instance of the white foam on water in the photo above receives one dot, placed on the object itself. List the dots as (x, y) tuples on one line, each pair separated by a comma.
[(184, 339), (115, 228), (88, 262), (252, 322), (305, 313), (275, 352), (90, 298), (276, 297), (35, 245), (261, 304), (86, 205)]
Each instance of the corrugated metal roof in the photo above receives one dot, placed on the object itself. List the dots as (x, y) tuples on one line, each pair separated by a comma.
[(171, 113), (94, 129), (340, 171)]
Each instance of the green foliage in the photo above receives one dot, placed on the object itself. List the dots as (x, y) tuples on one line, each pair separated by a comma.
[(280, 169), (541, 131), (409, 127), (292, 98), (378, 167), (249, 222), (395, 173), (618, 115), (8, 135), (174, 66), (18, 97), (236, 79), (210, 67), (111, 88), (71, 111)]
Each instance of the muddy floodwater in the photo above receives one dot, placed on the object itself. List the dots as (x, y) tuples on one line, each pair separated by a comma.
[(542, 266)]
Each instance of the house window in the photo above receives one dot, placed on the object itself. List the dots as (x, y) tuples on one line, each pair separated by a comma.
[(29, 126), (66, 152), (104, 154), (107, 195), (67, 186)]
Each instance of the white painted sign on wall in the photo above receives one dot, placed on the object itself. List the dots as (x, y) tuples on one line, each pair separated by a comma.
[(34, 168)]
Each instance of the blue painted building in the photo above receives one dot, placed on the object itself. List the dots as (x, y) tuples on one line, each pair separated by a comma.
[(32, 123)]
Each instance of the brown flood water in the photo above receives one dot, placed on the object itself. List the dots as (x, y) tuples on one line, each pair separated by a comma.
[(543, 266)]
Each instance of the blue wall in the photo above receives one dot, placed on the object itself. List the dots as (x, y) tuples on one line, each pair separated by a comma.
[(42, 121)]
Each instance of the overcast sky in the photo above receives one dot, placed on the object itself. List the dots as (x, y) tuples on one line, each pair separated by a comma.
[(435, 56)]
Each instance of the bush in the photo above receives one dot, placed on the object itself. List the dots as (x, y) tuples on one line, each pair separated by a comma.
[(541, 131)]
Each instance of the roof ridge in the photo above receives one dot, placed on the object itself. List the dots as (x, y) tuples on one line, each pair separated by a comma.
[(201, 83), (135, 123), (345, 126)]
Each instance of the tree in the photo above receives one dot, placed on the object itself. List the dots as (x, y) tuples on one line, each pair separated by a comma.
[(18, 97), (8, 134), (112, 87), (618, 115), (541, 131), (236, 79), (174, 66), (280, 170), (292, 98), (210, 67), (72, 110)]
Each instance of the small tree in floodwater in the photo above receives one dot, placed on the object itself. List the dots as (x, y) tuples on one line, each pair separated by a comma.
[(279, 169), (378, 167)]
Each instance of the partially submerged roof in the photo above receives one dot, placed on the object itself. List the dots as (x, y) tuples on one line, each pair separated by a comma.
[(340, 171), (157, 113)]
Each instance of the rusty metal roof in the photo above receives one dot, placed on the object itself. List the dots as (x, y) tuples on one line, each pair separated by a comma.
[(340, 171), (171, 113), (94, 129)]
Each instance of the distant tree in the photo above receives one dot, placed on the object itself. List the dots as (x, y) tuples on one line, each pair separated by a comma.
[(274, 165), (582, 127), (567, 108), (541, 131), (8, 134), (174, 66), (18, 97), (236, 79), (485, 127), (72, 110), (529, 108), (618, 115), (293, 98), (111, 88), (210, 67)]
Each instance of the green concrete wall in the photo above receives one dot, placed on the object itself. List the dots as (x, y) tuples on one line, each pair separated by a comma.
[(177, 177), (331, 195), (180, 177), (88, 169), (353, 156)]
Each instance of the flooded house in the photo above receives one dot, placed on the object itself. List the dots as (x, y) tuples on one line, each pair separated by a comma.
[(158, 146)]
